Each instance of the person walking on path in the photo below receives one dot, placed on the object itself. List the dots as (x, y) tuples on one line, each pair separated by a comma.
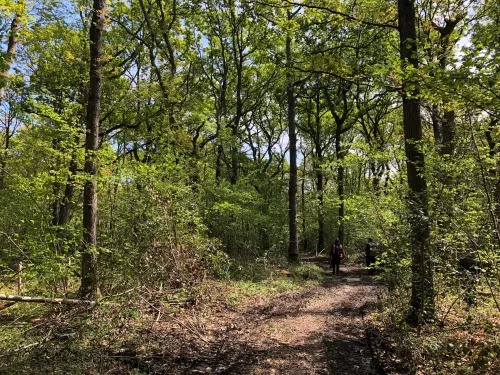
[(336, 254), (370, 254)]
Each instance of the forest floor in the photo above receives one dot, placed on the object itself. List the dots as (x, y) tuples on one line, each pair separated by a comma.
[(317, 330), (280, 325)]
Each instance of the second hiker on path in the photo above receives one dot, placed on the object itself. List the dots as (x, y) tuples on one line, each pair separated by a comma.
[(336, 254), (370, 254)]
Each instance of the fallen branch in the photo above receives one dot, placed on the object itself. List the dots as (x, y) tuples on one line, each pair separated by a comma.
[(64, 301), (4, 306)]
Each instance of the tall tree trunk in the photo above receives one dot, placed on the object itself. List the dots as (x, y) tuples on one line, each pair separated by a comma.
[(234, 155), (11, 48), (448, 132), (436, 124), (220, 104), (60, 206), (339, 153), (218, 164), (319, 179), (494, 169), (303, 204), (237, 120), (9, 59), (321, 214), (89, 286), (422, 296), (340, 192), (293, 246), (448, 123), (3, 157), (68, 191)]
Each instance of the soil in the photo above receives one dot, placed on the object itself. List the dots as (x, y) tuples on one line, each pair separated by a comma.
[(319, 330)]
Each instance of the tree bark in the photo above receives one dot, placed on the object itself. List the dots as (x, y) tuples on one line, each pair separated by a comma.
[(293, 246), (319, 179), (321, 216), (11, 49), (448, 132), (9, 59), (89, 286), (422, 294), (494, 169), (340, 183), (303, 203), (65, 301), (448, 123)]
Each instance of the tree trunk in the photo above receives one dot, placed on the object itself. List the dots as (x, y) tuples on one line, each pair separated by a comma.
[(89, 286), (319, 176), (494, 169), (11, 49), (3, 156), (422, 297), (10, 297), (234, 155), (340, 179), (293, 246), (436, 124), (340, 191), (448, 123), (321, 215), (303, 203), (448, 132), (9, 59), (218, 164)]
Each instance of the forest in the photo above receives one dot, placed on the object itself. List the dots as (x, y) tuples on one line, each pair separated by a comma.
[(173, 174)]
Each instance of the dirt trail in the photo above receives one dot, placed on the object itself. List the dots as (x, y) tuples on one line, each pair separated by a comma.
[(317, 331)]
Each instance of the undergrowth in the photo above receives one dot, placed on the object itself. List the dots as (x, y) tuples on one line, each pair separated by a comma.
[(464, 339), (115, 336)]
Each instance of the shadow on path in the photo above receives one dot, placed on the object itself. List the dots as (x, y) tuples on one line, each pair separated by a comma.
[(317, 331)]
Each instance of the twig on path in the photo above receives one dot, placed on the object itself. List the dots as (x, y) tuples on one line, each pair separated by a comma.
[(183, 325), (220, 349), (119, 294)]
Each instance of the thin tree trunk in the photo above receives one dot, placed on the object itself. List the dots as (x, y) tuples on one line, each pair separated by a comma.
[(448, 123), (303, 203), (3, 157), (68, 192), (293, 246), (238, 63), (340, 191), (321, 215), (436, 124), (448, 131), (494, 169), (218, 164), (9, 59), (422, 296), (340, 180), (319, 177), (11, 49), (89, 286)]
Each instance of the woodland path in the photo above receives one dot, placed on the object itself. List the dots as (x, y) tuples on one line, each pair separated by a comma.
[(317, 331)]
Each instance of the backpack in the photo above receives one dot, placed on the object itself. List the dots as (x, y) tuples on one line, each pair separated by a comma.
[(337, 250), (370, 249)]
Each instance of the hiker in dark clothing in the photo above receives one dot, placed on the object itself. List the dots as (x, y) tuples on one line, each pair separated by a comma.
[(370, 255), (336, 254)]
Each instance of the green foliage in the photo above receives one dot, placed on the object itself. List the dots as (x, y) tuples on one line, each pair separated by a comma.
[(194, 151), (308, 271)]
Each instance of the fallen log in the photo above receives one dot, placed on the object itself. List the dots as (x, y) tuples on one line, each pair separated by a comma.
[(64, 301)]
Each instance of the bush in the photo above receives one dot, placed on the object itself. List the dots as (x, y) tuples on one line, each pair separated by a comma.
[(308, 271)]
